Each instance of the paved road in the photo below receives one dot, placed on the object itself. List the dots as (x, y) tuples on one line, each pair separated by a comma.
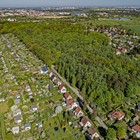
[(77, 93)]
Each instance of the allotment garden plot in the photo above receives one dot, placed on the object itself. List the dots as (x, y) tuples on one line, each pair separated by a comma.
[(28, 98)]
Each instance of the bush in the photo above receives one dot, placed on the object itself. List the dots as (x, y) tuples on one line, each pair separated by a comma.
[(10, 102)]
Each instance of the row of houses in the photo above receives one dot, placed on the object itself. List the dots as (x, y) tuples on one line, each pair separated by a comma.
[(84, 121), (72, 104)]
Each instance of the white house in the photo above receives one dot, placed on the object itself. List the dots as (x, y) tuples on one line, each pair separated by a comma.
[(15, 130), (26, 127), (39, 124), (62, 88), (50, 74), (17, 112), (78, 112), (18, 119), (44, 70), (34, 108)]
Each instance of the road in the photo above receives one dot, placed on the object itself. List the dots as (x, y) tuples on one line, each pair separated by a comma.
[(100, 121)]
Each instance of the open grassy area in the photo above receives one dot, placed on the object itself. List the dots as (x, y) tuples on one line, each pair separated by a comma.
[(133, 24), (135, 28), (2, 126), (68, 134), (3, 107)]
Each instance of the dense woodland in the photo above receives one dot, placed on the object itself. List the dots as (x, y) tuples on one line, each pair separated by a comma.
[(84, 58)]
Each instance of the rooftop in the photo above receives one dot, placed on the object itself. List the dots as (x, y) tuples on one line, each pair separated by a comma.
[(136, 128)]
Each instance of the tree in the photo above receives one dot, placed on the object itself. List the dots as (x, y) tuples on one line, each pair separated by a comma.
[(79, 83), (111, 134), (73, 81), (10, 102), (9, 136), (121, 132), (130, 90)]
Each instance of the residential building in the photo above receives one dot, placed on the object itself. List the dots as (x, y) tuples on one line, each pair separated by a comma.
[(117, 51), (136, 129), (44, 70), (84, 122), (34, 108), (18, 96), (26, 127), (15, 130), (116, 115), (62, 88), (39, 124), (92, 133), (17, 112), (18, 119), (67, 96), (78, 112), (71, 104)]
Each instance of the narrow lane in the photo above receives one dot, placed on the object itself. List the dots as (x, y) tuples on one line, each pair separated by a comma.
[(100, 121)]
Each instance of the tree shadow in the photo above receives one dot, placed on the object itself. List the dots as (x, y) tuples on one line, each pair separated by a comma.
[(102, 131)]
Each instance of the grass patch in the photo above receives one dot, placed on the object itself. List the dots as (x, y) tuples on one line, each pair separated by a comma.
[(69, 134), (3, 107), (2, 126), (135, 28)]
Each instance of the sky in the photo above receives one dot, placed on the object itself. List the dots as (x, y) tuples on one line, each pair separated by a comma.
[(45, 3)]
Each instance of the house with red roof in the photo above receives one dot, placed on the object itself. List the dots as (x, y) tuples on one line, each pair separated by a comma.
[(92, 133), (116, 115), (62, 88), (85, 122), (124, 50), (136, 129), (117, 51), (67, 96), (78, 112), (71, 104)]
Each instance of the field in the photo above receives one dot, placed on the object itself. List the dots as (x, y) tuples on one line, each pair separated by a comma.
[(2, 126), (135, 28), (133, 24), (3, 107)]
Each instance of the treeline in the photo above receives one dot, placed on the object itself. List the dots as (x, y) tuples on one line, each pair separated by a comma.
[(84, 58)]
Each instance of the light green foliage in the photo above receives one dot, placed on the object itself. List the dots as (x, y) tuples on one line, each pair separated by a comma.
[(10, 102), (111, 134)]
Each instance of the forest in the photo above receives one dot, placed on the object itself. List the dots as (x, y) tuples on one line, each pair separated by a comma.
[(84, 58)]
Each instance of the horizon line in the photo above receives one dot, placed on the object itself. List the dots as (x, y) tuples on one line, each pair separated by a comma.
[(95, 6)]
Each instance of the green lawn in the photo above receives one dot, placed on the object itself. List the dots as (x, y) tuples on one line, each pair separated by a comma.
[(69, 134), (3, 107), (135, 28), (2, 126)]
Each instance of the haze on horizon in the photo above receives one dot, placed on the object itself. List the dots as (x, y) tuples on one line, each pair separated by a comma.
[(45, 3)]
